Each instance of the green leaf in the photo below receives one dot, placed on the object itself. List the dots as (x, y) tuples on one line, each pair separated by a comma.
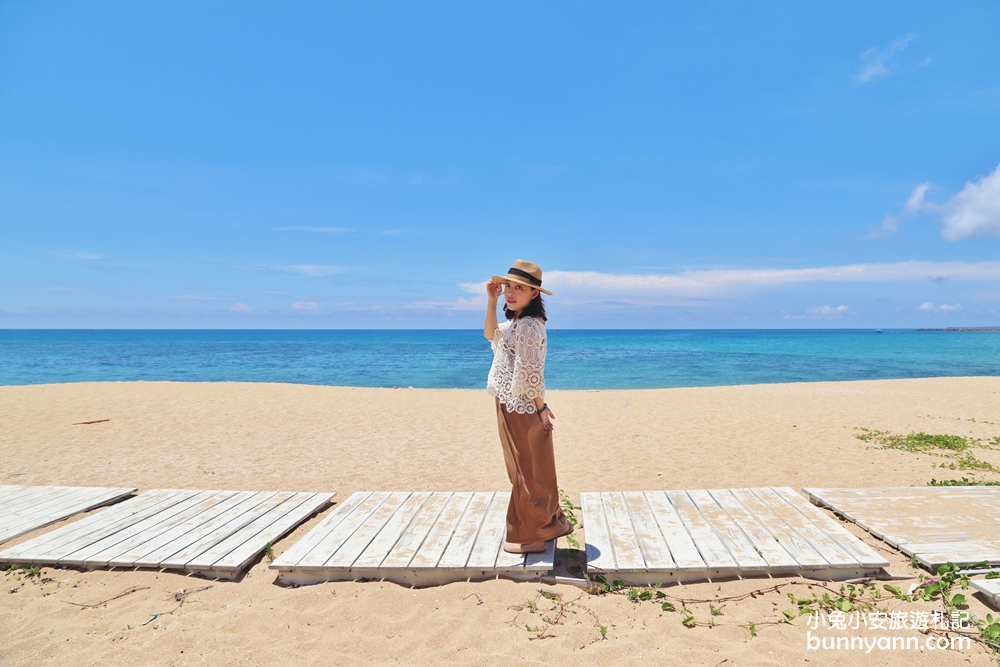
[(844, 604), (958, 599), (993, 575), (668, 606), (753, 629)]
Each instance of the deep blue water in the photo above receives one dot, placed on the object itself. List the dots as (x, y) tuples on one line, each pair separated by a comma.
[(576, 359)]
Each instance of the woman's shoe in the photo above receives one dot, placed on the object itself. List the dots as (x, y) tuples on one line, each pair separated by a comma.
[(528, 548)]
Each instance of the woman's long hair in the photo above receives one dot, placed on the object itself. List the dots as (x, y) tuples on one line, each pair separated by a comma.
[(536, 309)]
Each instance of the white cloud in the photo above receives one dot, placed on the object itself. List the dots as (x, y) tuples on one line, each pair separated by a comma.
[(929, 307), (310, 270), (829, 311), (972, 213), (915, 203), (689, 286), (975, 211), (474, 288), (477, 303), (88, 256), (325, 230), (240, 308), (305, 305), (876, 62)]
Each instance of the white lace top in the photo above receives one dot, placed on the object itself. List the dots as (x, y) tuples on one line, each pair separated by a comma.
[(518, 372)]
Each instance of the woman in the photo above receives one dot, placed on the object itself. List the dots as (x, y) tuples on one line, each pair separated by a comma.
[(524, 420)]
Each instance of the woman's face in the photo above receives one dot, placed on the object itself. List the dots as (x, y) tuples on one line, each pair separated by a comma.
[(518, 296)]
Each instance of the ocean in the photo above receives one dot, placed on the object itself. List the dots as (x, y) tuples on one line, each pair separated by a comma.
[(577, 359)]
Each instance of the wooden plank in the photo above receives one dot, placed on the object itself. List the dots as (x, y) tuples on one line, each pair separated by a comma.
[(91, 529), (732, 537), (392, 531), (129, 552), (264, 529), (655, 552), (628, 555), (459, 549), (600, 554), (416, 532), (784, 535), (711, 548), (430, 552), (61, 507), (294, 554), (204, 544), (490, 539), (43, 501), (757, 533), (828, 549), (990, 588), (184, 531), (105, 551), (682, 548), (26, 497), (327, 547), (355, 545), (94, 527), (858, 550), (541, 562)]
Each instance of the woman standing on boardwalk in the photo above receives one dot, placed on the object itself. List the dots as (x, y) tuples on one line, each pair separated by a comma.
[(517, 380)]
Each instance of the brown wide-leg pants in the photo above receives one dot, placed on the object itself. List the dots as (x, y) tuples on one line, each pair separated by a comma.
[(534, 514)]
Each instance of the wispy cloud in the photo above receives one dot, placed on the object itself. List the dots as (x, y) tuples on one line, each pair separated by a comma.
[(305, 305), (303, 228), (972, 213), (914, 204), (929, 307), (311, 270), (823, 313), (87, 256), (240, 308), (876, 62), (687, 287), (461, 303)]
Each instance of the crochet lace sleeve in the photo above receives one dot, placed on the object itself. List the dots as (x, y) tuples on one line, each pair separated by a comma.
[(498, 334), (529, 359)]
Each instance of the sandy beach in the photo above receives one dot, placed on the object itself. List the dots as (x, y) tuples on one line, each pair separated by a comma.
[(312, 438)]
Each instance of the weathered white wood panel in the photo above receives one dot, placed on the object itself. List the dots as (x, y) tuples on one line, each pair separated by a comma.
[(411, 538), (27, 508), (208, 532), (718, 533), (990, 588), (934, 524)]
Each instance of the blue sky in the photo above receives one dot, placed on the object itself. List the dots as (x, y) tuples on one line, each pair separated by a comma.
[(370, 165)]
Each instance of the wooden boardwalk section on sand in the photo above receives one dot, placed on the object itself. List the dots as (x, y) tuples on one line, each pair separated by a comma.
[(935, 524), (990, 588), (648, 537), (417, 539), (213, 533), (27, 508)]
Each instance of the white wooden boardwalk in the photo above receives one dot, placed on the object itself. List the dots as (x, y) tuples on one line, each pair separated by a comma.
[(936, 524), (647, 537), (418, 539), (27, 508), (989, 588), (213, 533)]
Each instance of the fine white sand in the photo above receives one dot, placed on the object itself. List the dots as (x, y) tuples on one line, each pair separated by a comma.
[(305, 438)]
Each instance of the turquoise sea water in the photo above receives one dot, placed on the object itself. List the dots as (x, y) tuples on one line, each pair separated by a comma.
[(576, 359)]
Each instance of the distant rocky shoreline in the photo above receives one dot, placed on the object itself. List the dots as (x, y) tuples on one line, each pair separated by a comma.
[(964, 329)]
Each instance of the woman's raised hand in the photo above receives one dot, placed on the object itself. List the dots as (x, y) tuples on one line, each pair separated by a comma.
[(493, 290)]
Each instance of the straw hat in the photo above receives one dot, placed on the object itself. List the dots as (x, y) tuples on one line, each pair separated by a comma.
[(525, 273)]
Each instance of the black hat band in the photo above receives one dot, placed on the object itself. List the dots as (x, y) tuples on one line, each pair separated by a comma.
[(527, 276)]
